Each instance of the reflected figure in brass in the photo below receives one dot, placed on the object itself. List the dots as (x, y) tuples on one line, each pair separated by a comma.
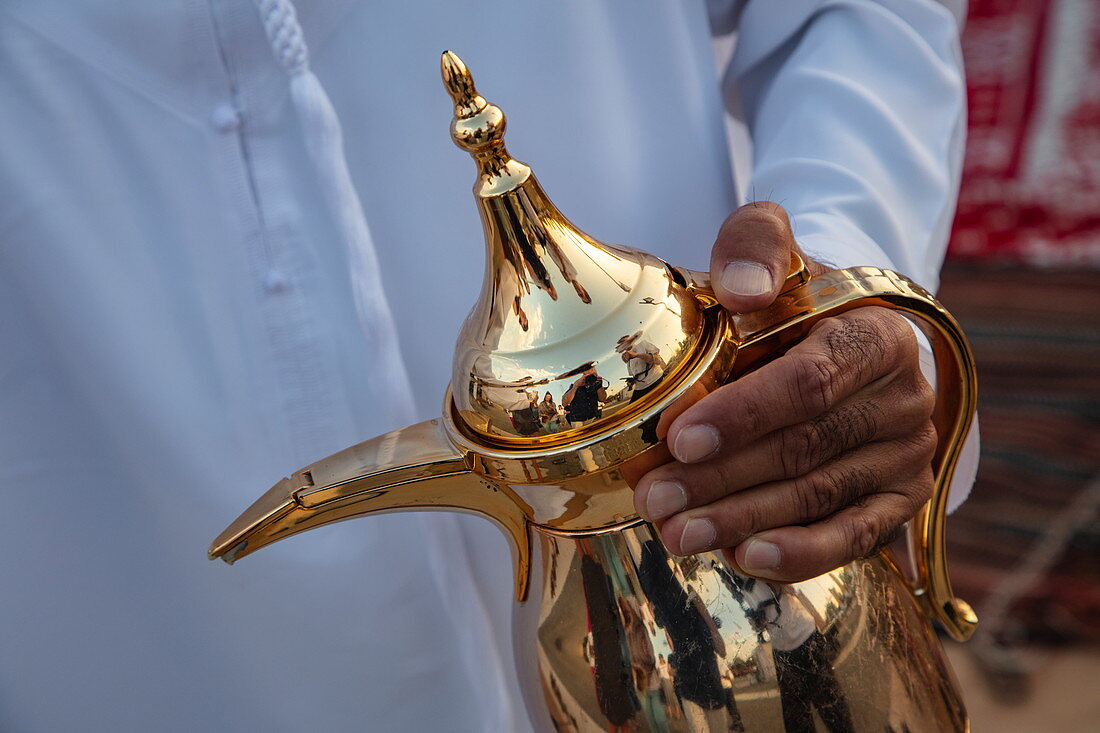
[(526, 418), (585, 398), (549, 415), (695, 641), (804, 656), (647, 368), (607, 638), (643, 362)]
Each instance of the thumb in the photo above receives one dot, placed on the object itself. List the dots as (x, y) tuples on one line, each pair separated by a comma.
[(752, 256)]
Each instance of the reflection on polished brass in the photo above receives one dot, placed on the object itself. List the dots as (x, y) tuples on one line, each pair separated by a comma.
[(619, 633), (573, 363), (562, 320)]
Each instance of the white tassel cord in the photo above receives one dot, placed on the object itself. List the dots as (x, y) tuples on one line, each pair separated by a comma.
[(325, 143)]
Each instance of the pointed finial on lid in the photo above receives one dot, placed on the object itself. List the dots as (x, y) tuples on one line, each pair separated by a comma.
[(478, 127), (460, 85)]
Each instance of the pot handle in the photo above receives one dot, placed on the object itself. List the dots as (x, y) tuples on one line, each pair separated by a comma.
[(764, 334)]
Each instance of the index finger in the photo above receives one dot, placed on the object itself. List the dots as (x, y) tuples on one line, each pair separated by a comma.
[(840, 356)]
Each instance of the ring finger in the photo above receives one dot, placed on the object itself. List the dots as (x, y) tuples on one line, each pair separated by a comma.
[(783, 454), (828, 489)]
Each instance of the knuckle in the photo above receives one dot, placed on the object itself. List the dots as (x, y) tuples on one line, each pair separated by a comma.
[(909, 402), (721, 482), (857, 482), (804, 447), (890, 322), (800, 448), (865, 533), (900, 329), (830, 489), (911, 388), (862, 422), (923, 488), (782, 454), (817, 494), (925, 442), (829, 328), (849, 427), (756, 519), (815, 383), (924, 396), (733, 529), (751, 419), (893, 330), (891, 533), (857, 343)]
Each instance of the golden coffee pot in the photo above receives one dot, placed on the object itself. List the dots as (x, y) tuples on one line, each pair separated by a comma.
[(613, 632)]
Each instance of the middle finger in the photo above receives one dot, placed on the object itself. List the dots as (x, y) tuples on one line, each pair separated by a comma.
[(783, 454), (867, 470)]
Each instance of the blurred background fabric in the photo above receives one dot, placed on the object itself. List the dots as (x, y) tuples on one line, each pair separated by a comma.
[(1022, 277), (1031, 180)]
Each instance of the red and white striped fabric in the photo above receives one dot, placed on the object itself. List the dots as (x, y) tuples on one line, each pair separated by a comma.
[(1031, 181)]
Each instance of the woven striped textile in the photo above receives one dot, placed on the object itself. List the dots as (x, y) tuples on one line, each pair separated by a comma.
[(1036, 338)]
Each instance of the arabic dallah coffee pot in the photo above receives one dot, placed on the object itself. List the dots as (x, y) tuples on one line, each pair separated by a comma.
[(611, 631)]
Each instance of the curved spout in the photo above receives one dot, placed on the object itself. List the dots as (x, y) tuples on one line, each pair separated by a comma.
[(414, 468)]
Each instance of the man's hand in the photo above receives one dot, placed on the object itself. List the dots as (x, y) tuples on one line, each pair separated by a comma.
[(816, 458)]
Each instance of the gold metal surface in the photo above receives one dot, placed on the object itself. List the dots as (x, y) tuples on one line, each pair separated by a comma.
[(569, 333), (617, 634), (414, 468)]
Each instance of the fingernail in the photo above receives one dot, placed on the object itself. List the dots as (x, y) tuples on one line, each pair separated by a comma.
[(746, 278), (694, 443), (665, 499), (698, 535), (760, 555)]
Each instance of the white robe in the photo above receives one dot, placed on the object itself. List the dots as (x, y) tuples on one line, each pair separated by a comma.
[(177, 331)]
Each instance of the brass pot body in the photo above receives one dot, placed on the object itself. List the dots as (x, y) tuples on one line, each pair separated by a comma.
[(619, 635)]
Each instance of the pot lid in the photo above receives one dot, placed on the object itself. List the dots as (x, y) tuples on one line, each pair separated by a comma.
[(570, 335)]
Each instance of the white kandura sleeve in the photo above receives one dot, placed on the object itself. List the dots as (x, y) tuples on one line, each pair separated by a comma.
[(857, 114)]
